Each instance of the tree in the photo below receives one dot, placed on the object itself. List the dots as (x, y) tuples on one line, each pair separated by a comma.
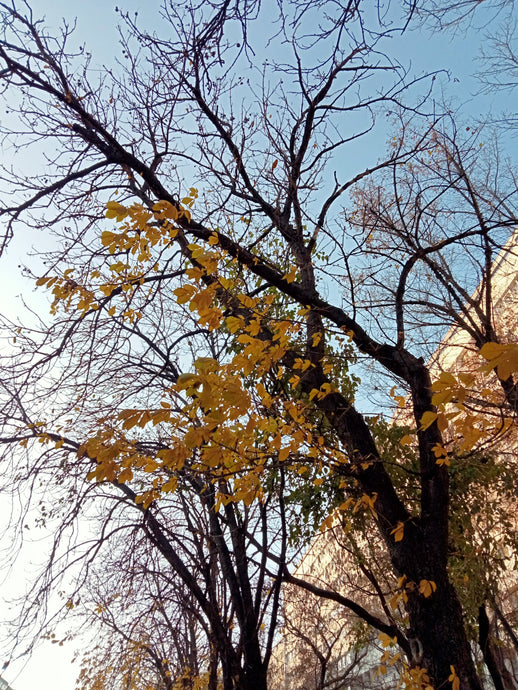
[(321, 645), (500, 65), (198, 340), (187, 596), (446, 15), (443, 201), (151, 631)]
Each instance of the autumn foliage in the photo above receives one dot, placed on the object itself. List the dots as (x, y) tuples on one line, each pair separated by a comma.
[(231, 370)]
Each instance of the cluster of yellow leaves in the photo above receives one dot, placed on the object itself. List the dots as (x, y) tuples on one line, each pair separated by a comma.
[(139, 215), (466, 426), (230, 431), (404, 587), (412, 677), (203, 299), (219, 419), (222, 428), (187, 680), (68, 293), (364, 503), (101, 670), (142, 230), (399, 399), (415, 678), (116, 458), (389, 657)]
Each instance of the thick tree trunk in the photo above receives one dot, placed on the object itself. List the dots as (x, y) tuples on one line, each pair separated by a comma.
[(438, 637), (255, 679), (436, 624)]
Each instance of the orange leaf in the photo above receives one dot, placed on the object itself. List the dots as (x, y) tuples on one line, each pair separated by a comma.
[(398, 531)]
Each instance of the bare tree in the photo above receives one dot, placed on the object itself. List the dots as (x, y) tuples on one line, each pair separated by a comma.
[(107, 388)]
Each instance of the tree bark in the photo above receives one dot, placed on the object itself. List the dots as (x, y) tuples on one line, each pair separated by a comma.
[(437, 634)]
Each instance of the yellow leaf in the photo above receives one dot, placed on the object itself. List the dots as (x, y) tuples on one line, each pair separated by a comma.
[(491, 350), (234, 323), (398, 531), (316, 338), (407, 440), (291, 275), (170, 485), (447, 378), (442, 422), (187, 381), (206, 365), (253, 327), (428, 419), (503, 358), (386, 640), (467, 379), (162, 415), (439, 451), (225, 282), (184, 294), (301, 364), (284, 454), (125, 476), (454, 679), (394, 601), (366, 502), (116, 210), (166, 210), (313, 393), (427, 588)]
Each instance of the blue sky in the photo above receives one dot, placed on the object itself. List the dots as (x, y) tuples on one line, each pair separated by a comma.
[(50, 668)]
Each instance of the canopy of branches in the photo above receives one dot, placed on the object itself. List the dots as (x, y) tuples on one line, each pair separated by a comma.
[(229, 292)]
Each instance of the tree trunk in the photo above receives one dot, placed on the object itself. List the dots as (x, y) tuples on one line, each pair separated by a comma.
[(255, 679), (438, 637), (436, 634), (502, 679)]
